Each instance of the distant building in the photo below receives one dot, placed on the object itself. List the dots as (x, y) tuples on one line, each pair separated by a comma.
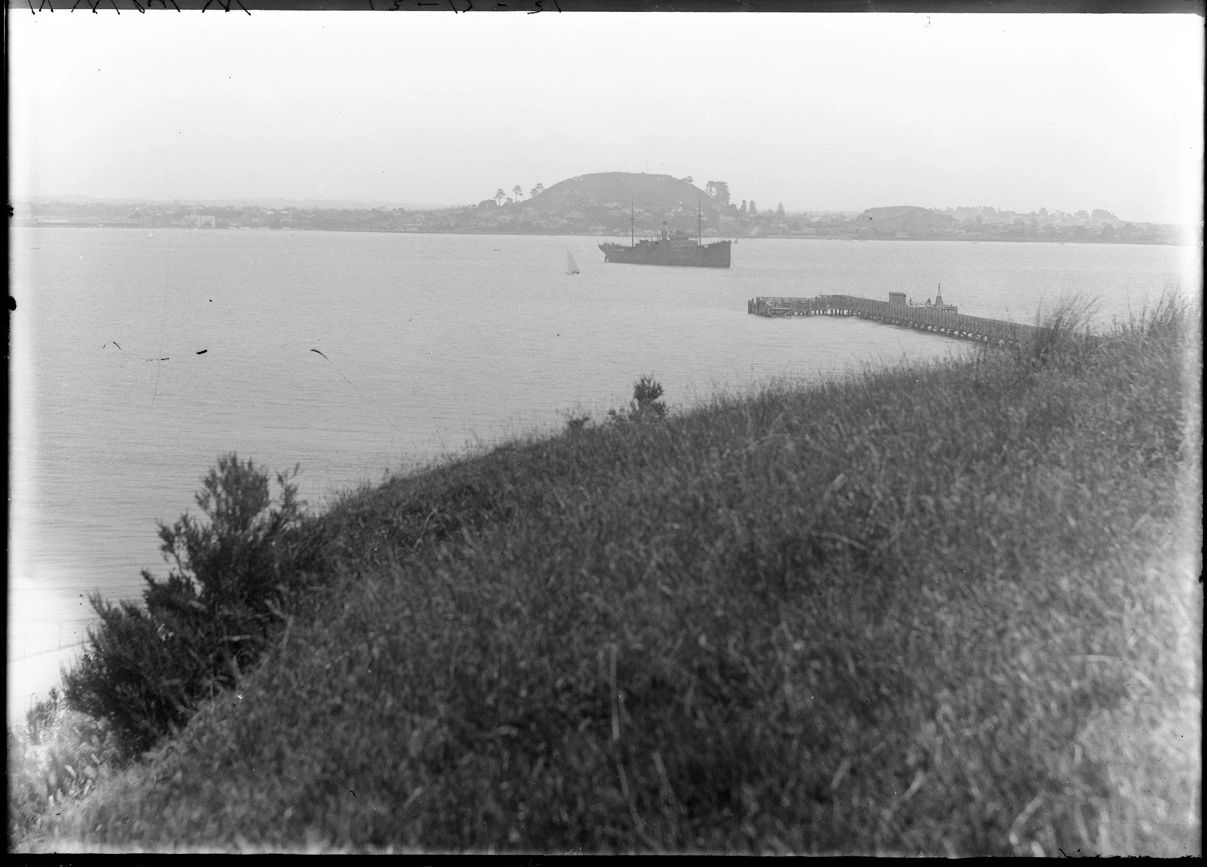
[(200, 221)]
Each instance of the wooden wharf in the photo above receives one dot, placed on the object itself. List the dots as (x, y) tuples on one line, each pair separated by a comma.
[(941, 319)]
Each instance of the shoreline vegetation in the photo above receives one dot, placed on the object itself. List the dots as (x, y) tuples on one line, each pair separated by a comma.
[(1169, 236), (1174, 237), (612, 205), (945, 608)]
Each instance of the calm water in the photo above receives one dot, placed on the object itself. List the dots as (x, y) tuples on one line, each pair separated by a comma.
[(137, 360)]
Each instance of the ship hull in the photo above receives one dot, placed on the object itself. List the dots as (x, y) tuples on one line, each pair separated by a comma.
[(715, 255)]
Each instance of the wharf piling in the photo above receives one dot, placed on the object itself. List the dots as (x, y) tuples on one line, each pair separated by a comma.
[(941, 319)]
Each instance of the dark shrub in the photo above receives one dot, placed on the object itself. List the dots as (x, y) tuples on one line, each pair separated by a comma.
[(577, 423), (645, 405), (147, 666)]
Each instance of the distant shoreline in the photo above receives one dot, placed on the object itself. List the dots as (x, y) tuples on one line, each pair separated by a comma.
[(1186, 242)]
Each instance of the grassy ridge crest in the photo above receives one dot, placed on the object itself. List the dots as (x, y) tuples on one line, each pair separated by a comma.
[(945, 609)]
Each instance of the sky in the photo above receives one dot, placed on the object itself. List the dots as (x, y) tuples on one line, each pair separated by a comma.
[(817, 112)]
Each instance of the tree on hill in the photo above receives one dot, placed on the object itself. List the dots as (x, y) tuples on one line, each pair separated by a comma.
[(537, 190), (499, 196), (753, 209), (517, 192), (743, 208), (718, 190), (779, 211)]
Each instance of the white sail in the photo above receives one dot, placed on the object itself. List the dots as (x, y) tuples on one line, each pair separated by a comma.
[(571, 265)]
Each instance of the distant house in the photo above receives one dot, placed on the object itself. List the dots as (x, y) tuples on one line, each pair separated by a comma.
[(200, 221)]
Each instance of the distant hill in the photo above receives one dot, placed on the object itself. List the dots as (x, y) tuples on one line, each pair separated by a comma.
[(904, 218), (620, 189)]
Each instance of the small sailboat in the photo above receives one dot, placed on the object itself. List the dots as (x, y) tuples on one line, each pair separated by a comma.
[(571, 265)]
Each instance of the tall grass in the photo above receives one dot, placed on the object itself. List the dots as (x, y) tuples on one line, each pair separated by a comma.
[(1063, 333), (946, 609), (59, 756)]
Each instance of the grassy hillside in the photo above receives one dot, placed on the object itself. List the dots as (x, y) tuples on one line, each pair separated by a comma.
[(946, 609)]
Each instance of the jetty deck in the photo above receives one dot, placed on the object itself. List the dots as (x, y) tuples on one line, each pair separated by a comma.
[(941, 320)]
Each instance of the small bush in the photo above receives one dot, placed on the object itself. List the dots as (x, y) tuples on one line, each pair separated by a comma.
[(645, 405), (197, 630), (577, 423)]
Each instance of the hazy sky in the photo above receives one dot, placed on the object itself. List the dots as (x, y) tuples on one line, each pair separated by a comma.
[(819, 112)]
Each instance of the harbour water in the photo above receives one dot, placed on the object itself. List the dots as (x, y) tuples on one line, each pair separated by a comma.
[(137, 360)]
